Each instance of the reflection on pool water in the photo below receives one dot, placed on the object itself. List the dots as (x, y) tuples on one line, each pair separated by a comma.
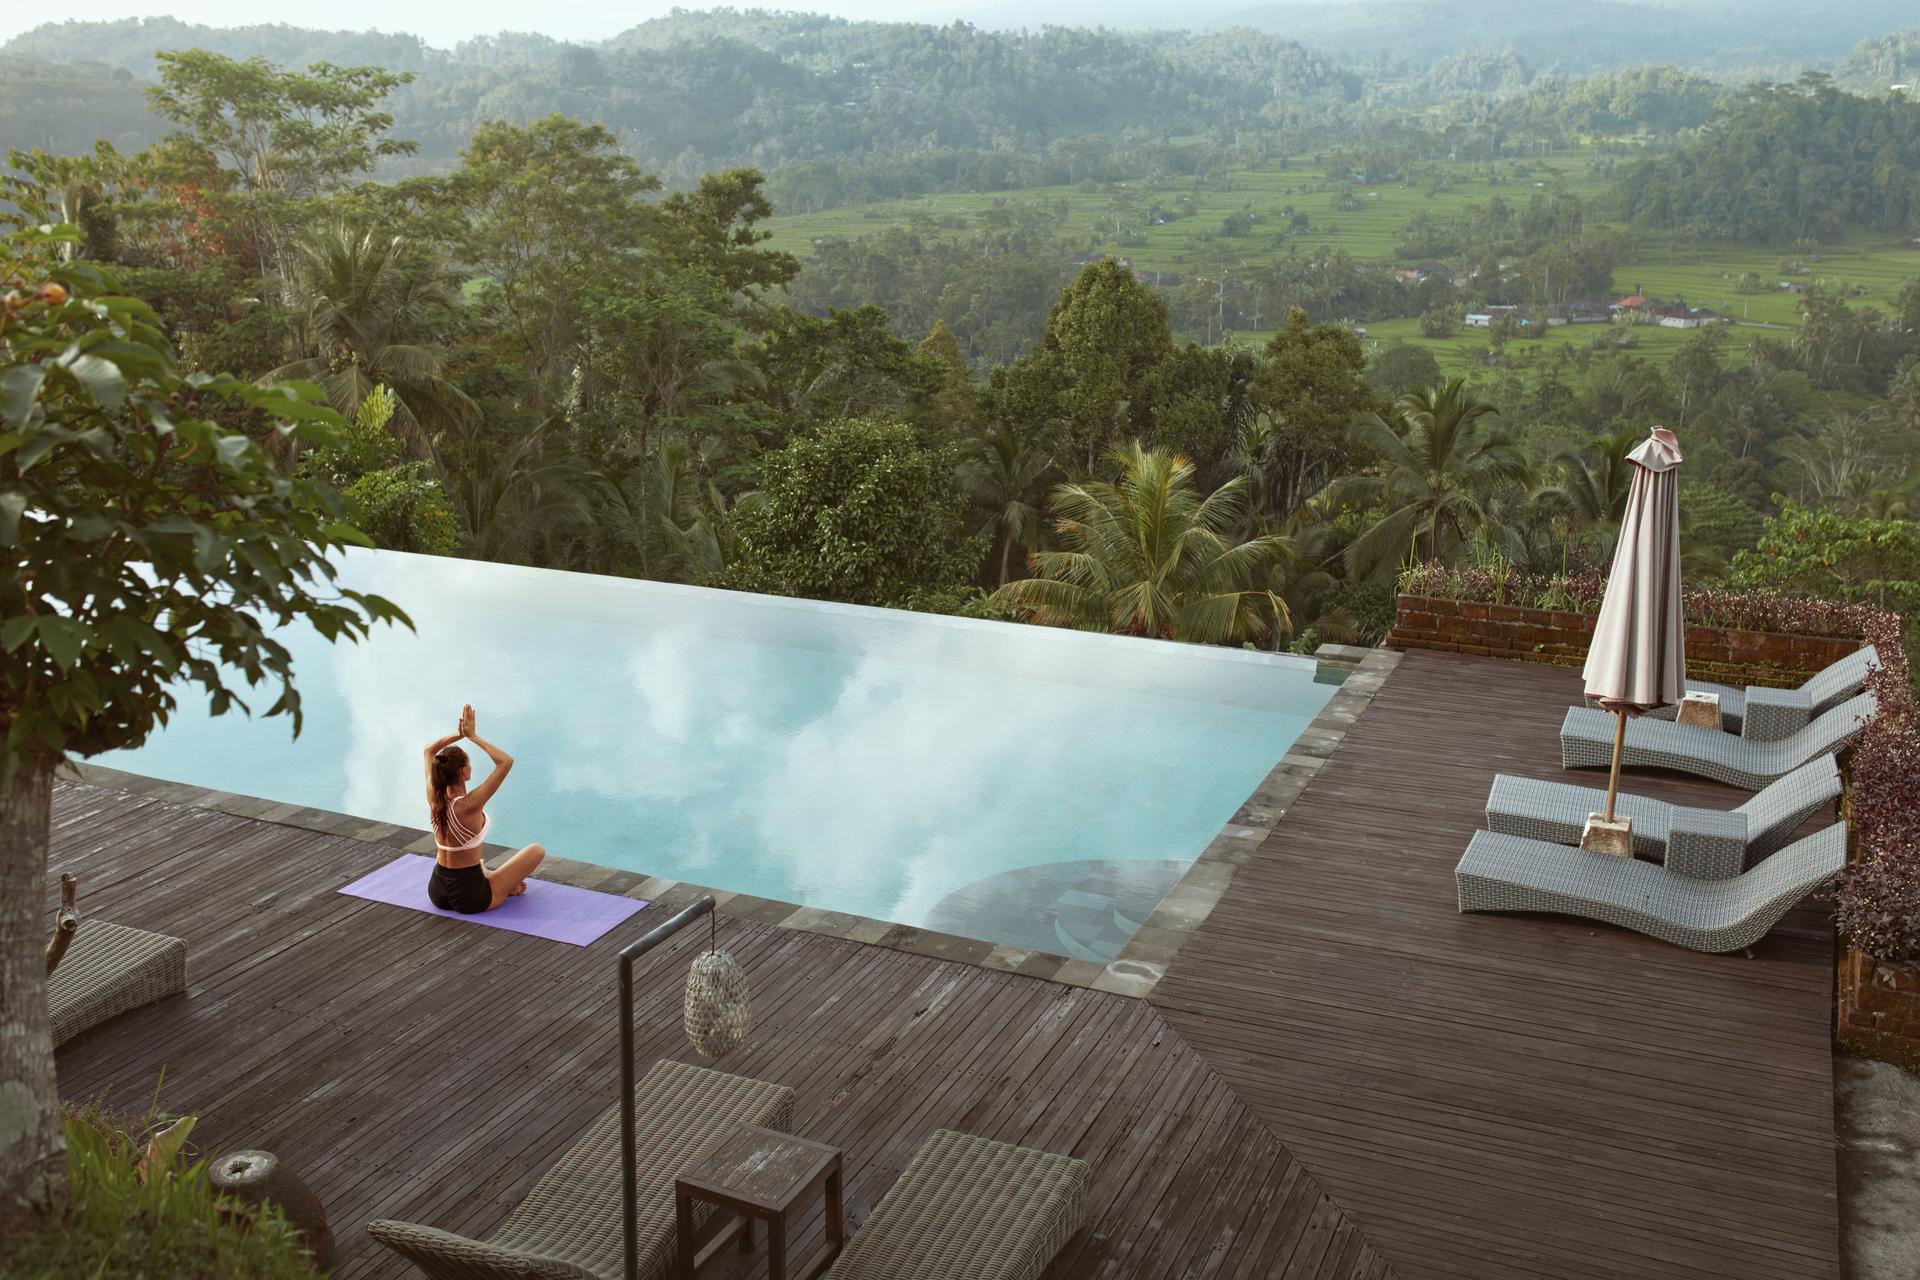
[(868, 761)]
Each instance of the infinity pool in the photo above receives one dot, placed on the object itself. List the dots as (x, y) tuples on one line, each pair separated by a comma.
[(1019, 784)]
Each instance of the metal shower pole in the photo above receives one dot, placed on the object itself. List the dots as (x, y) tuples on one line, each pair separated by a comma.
[(629, 1160)]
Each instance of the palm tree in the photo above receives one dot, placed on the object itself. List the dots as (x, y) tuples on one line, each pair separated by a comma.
[(358, 300), (508, 490), (1596, 479), (1149, 555), (1435, 471), (1837, 464), (1256, 453), (1007, 478), (677, 526)]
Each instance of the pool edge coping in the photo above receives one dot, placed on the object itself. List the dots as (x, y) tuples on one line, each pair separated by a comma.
[(1134, 972)]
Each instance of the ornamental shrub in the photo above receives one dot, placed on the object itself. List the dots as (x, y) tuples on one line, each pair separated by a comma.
[(1878, 897)]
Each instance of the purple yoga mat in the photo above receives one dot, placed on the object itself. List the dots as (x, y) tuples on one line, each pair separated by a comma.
[(546, 910)]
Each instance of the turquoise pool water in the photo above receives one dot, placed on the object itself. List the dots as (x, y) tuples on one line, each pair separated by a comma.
[(882, 763)]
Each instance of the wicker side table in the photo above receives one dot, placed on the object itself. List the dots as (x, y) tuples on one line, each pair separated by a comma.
[(762, 1176)]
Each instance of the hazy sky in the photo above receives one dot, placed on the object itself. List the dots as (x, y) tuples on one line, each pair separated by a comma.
[(443, 22)]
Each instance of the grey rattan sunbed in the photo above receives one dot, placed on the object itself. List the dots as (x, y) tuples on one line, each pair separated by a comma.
[(1513, 873), (970, 1208), (1763, 714), (1711, 844), (569, 1226), (1586, 742), (108, 969)]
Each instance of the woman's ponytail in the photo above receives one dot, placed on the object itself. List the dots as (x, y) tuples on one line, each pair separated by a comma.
[(447, 765)]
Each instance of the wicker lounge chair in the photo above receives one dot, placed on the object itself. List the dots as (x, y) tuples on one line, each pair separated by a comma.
[(1513, 873), (970, 1208), (1762, 714), (1710, 844), (1586, 742), (569, 1226), (109, 969)]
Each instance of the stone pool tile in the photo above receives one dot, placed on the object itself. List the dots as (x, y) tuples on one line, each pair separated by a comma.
[(870, 931), (834, 924), (1184, 910), (1343, 653), (1152, 944), (1079, 973), (942, 946), (678, 898), (420, 844), (1234, 847), (760, 910), (654, 887), (1031, 964), (1041, 965), (1211, 876), (334, 824), (1130, 979), (562, 869), (599, 877), (1275, 797), (1258, 813), (378, 833), (1007, 958), (620, 881)]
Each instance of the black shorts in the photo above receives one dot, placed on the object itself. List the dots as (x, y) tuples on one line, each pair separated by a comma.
[(462, 889)]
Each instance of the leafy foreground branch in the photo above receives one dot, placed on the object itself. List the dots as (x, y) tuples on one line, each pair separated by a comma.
[(150, 543)]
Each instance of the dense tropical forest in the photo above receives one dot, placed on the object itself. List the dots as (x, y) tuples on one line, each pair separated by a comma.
[(1200, 335)]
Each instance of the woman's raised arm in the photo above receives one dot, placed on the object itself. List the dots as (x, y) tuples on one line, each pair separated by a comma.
[(502, 765)]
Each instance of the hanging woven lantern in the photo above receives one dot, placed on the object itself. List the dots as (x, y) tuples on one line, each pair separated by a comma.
[(717, 1008)]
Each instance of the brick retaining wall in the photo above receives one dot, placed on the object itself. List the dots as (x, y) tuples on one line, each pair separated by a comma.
[(1560, 638), (1879, 1009)]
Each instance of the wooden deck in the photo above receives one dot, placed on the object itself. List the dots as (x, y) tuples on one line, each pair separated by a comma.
[(420, 1068), (1340, 1077), (1511, 1096)]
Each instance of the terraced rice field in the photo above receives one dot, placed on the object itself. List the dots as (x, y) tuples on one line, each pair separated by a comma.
[(1704, 274)]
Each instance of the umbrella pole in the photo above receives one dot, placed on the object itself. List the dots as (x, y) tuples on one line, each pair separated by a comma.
[(1619, 747)]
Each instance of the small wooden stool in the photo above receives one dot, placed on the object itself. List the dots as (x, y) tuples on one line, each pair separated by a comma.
[(760, 1175)]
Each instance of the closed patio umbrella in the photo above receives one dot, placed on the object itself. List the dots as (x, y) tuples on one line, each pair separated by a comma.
[(1637, 661)]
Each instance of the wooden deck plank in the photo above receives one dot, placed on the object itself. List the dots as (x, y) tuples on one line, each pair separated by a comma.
[(415, 1067), (1502, 1096), (1340, 1078)]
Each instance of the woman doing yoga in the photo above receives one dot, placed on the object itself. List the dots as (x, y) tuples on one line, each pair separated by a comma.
[(460, 882)]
